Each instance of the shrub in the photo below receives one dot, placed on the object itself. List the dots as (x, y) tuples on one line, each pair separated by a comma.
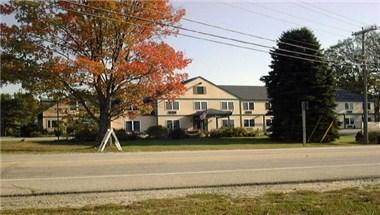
[(239, 132), (231, 132), (177, 133), (157, 131), (373, 137), (359, 137), (35, 134), (83, 130), (122, 135), (27, 130)]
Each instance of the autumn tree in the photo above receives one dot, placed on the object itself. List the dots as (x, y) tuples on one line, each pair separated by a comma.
[(108, 55), (292, 81)]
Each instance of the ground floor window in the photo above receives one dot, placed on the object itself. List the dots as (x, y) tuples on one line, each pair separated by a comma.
[(132, 126), (349, 122), (228, 123), (268, 122), (52, 123), (172, 124), (249, 123)]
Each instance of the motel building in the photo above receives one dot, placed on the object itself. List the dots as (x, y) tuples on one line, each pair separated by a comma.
[(207, 106)]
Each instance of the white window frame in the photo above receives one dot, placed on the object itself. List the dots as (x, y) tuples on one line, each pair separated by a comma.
[(249, 123), (133, 125), (200, 105), (196, 90), (132, 108), (266, 122), (248, 102), (172, 121), (232, 122), (228, 105), (172, 105), (350, 106), (50, 123)]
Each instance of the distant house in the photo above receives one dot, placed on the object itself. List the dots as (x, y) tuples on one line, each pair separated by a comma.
[(350, 109), (54, 112), (207, 106)]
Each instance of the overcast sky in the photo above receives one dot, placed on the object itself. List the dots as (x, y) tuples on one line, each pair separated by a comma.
[(233, 66)]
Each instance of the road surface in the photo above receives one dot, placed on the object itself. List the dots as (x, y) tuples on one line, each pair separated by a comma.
[(27, 174)]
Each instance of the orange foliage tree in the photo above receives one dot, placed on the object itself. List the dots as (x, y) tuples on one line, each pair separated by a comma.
[(109, 55)]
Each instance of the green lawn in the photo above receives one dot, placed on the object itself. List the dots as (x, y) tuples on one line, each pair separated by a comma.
[(162, 145), (347, 201)]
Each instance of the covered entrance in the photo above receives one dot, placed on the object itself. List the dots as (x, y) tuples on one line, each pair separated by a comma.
[(200, 118)]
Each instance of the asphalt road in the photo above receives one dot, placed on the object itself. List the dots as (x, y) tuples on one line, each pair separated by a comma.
[(23, 174)]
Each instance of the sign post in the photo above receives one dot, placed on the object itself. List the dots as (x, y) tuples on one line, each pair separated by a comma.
[(108, 138)]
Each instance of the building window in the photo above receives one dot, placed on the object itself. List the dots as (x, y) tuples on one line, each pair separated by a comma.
[(132, 108), (349, 106), (132, 126), (268, 122), (268, 105), (52, 123), (200, 105), (369, 106), (228, 123), (172, 124), (249, 123), (248, 105), (227, 105), (199, 90), (349, 122), (174, 105)]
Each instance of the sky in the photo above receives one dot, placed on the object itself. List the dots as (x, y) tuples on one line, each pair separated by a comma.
[(330, 21)]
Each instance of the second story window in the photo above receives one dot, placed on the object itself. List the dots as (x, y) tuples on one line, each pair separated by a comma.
[(174, 105), (349, 106), (132, 108), (227, 105), (200, 105), (199, 90), (248, 105)]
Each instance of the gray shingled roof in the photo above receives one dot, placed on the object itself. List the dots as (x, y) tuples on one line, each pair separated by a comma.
[(247, 92), (345, 95), (260, 92)]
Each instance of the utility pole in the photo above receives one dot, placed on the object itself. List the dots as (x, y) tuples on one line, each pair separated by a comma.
[(365, 77), (304, 107)]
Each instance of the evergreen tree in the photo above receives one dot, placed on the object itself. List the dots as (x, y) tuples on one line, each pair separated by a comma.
[(292, 81)]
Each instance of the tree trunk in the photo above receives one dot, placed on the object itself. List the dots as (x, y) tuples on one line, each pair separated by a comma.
[(104, 123)]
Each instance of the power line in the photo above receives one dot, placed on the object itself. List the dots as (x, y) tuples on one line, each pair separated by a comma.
[(272, 17), (334, 13), (215, 41), (298, 17), (242, 33), (310, 7), (248, 34), (196, 31), (281, 54)]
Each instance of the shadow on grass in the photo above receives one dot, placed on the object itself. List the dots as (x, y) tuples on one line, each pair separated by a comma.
[(191, 141)]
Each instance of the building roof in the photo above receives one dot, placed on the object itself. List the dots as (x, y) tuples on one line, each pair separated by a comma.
[(259, 93), (247, 92), (345, 95)]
